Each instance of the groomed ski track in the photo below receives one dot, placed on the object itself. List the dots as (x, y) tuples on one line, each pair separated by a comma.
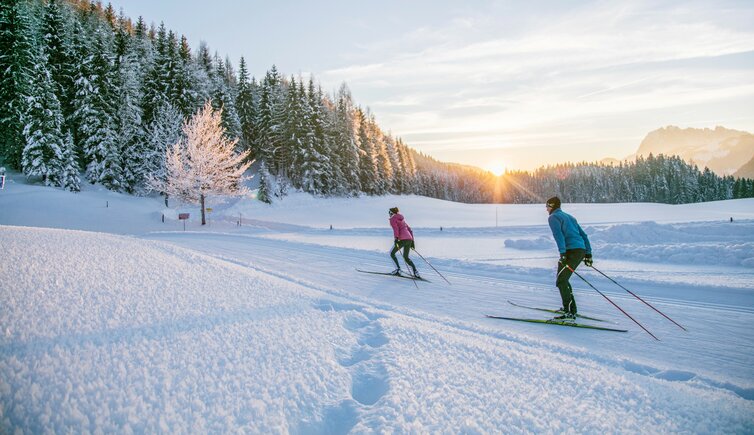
[(478, 288)]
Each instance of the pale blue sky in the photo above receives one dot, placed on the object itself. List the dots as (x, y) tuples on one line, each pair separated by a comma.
[(493, 83)]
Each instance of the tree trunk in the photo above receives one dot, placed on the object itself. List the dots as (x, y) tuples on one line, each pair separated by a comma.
[(201, 199)]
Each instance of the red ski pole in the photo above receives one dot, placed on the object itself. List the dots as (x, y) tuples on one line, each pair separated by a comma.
[(637, 297), (609, 300)]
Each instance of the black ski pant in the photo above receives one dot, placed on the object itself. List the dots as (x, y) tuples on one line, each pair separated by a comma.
[(406, 246), (574, 257)]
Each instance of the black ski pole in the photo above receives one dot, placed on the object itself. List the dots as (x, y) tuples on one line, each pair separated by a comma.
[(430, 265), (609, 300), (637, 297)]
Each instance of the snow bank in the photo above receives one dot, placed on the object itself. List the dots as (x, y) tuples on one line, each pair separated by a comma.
[(702, 243), (723, 244)]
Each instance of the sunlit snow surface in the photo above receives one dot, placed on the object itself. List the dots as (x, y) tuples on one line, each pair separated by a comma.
[(267, 327)]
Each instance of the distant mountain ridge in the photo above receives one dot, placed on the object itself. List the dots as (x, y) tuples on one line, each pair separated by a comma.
[(722, 150), (745, 171)]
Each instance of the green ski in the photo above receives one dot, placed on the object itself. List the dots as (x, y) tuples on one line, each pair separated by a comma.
[(547, 310), (557, 322)]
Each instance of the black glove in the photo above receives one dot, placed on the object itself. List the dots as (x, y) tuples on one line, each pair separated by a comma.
[(413, 244), (563, 259), (397, 241), (588, 260)]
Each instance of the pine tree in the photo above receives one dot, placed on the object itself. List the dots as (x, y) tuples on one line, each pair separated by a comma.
[(245, 107), (17, 60), (290, 154), (161, 134), (345, 146), (58, 46), (96, 113), (265, 184), (322, 178), (43, 153), (155, 83), (266, 136), (368, 175), (224, 100), (130, 133), (71, 180), (186, 94)]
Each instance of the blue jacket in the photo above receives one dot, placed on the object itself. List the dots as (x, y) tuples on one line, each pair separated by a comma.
[(567, 232)]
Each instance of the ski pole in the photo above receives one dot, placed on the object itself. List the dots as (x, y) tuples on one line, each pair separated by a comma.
[(430, 265), (415, 284), (637, 297), (609, 300)]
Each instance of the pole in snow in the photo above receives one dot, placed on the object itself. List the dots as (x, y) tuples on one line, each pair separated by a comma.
[(637, 297), (609, 300)]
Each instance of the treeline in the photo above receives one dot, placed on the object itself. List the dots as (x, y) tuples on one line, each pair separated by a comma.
[(87, 90), (662, 179)]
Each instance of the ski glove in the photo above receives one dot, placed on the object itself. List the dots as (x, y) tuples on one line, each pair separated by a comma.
[(588, 260), (413, 245), (397, 241), (563, 259)]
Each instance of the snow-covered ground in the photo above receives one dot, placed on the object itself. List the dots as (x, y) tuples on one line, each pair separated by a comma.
[(112, 320)]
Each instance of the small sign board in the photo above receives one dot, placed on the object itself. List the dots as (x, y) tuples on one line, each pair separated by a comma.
[(183, 216), (2, 181), (209, 209)]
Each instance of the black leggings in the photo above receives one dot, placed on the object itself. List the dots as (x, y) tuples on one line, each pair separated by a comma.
[(406, 245), (573, 258)]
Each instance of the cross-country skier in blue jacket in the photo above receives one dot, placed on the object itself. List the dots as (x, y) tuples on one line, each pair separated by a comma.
[(573, 245)]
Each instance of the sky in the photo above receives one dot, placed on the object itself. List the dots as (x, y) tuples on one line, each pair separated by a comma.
[(499, 84)]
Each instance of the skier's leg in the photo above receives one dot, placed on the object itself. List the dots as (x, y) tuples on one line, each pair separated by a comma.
[(573, 258), (406, 248), (396, 247)]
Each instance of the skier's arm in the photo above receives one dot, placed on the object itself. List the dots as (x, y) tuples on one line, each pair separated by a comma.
[(557, 233), (394, 224), (586, 240)]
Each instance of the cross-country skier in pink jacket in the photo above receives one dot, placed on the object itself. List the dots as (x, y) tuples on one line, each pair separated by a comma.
[(404, 239)]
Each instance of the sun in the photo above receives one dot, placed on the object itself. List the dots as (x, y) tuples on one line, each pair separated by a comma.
[(496, 168)]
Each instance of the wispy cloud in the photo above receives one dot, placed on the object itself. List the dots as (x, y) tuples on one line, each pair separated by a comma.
[(610, 63)]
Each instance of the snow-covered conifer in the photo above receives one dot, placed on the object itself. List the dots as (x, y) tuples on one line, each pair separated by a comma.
[(17, 60), (164, 131), (266, 185), (368, 174), (130, 135), (70, 177), (43, 152), (96, 114), (245, 106), (224, 100)]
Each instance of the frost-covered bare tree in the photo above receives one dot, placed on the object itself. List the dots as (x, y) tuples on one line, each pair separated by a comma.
[(204, 161)]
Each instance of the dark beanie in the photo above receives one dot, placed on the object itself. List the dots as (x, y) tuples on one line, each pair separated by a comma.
[(554, 202), (394, 210)]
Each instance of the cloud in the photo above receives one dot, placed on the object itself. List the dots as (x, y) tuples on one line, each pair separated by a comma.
[(594, 66)]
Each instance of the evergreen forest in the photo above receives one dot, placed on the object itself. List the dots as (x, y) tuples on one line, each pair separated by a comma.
[(87, 92)]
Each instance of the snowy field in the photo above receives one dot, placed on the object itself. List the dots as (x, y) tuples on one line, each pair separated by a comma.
[(112, 320)]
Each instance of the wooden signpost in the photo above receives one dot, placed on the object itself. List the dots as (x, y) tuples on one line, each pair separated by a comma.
[(184, 217)]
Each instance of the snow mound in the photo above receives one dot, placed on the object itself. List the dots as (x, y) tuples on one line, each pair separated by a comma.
[(723, 244)]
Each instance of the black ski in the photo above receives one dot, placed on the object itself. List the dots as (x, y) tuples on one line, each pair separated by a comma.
[(413, 278), (557, 322), (547, 310)]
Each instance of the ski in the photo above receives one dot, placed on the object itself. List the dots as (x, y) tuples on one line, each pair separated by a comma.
[(557, 322), (547, 310), (413, 278)]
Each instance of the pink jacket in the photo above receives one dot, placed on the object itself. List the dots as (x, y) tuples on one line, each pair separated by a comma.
[(401, 230)]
